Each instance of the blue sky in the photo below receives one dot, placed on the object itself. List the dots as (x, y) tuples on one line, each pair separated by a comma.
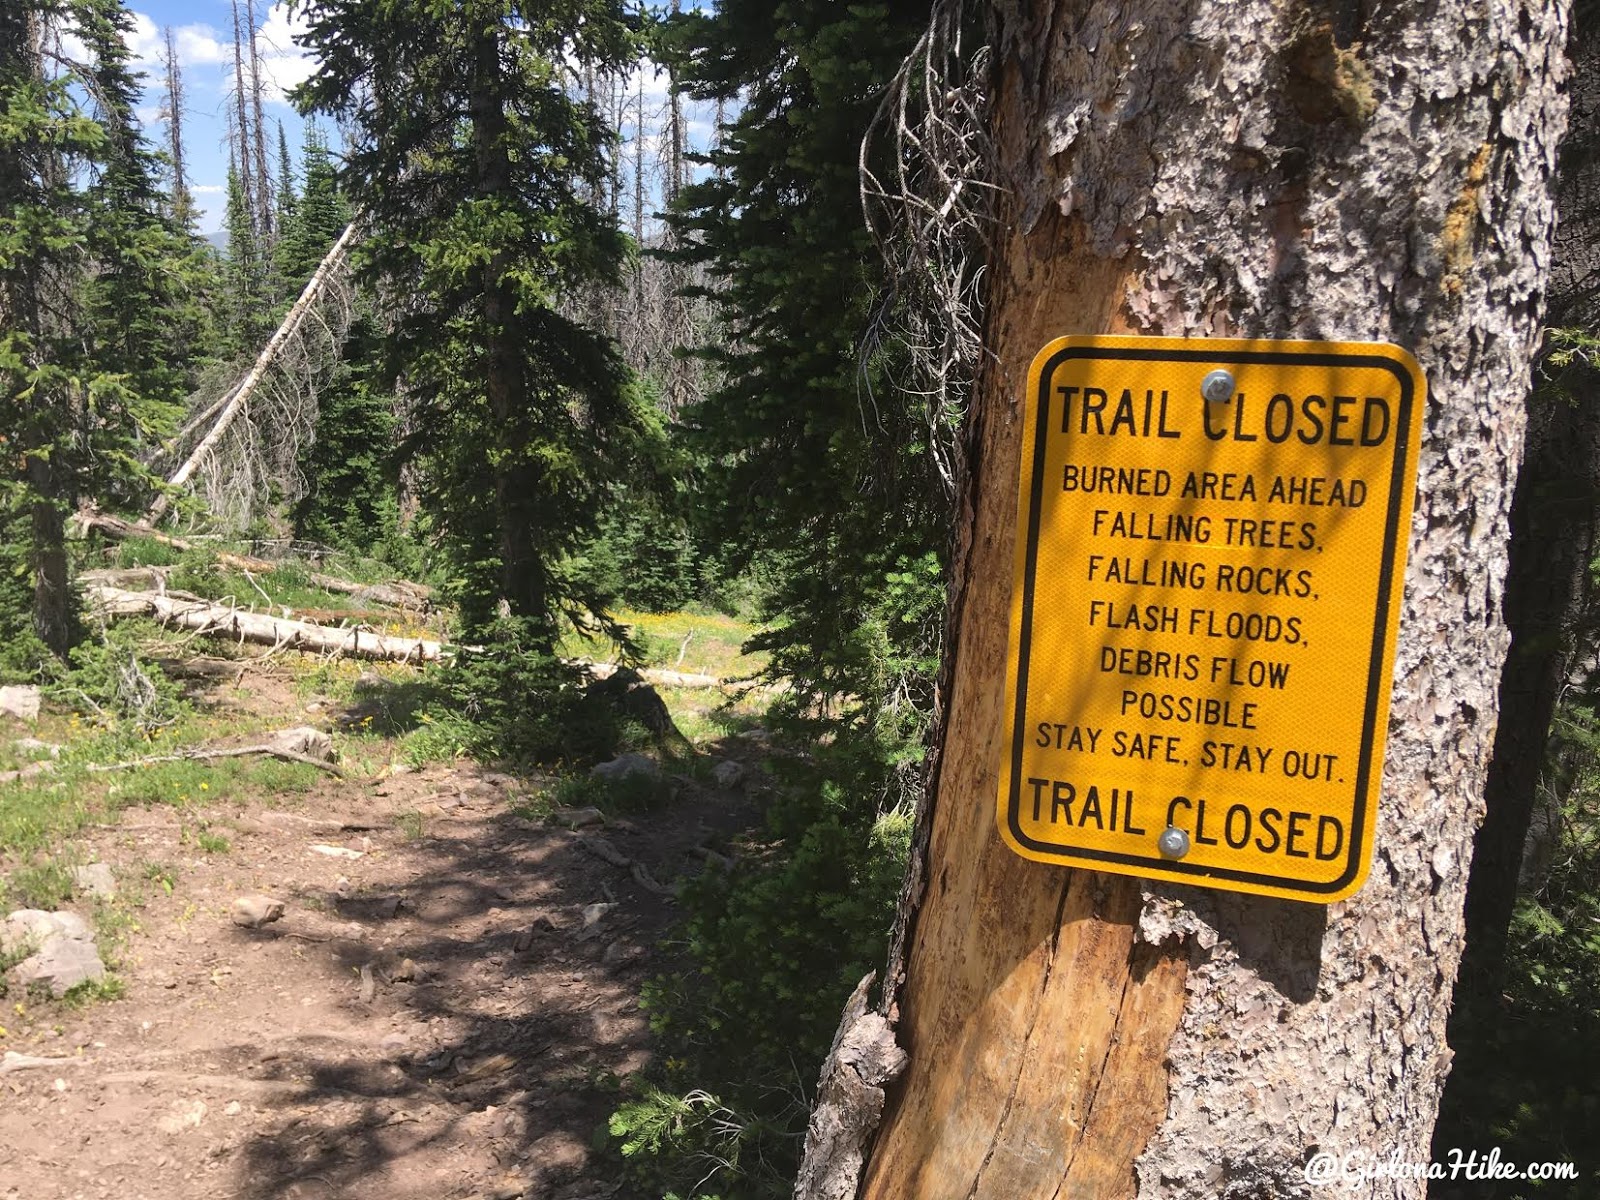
[(204, 34)]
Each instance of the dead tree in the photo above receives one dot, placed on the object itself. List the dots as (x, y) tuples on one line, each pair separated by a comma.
[(172, 113), (235, 403)]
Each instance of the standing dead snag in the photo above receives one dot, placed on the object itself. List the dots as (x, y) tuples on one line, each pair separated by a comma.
[(1228, 170)]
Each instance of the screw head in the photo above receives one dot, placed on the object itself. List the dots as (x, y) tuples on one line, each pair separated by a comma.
[(1217, 386), (1173, 842)]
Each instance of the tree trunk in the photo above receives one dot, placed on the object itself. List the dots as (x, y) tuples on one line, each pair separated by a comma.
[(234, 401), (52, 589), (236, 624), (265, 232), (522, 583), (1253, 170), (241, 139), (181, 202), (1555, 532)]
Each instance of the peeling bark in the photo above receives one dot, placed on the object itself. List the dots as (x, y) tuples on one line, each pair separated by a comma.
[(864, 1059), (1251, 168)]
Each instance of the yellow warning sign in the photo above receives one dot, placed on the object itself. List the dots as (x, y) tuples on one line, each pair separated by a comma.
[(1211, 545)]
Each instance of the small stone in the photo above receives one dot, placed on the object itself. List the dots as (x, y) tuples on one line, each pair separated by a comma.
[(95, 879), (32, 745), (335, 851), (593, 914), (509, 1188), (618, 952), (304, 740), (578, 818), (233, 1108), (183, 1116), (28, 929), (60, 965), (728, 774), (19, 702), (252, 912), (369, 680), (624, 766)]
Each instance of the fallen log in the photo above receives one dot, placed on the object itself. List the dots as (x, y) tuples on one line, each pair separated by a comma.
[(220, 620), (605, 670), (398, 593), (229, 752)]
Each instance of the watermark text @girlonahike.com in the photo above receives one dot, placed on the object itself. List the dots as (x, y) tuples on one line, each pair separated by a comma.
[(1360, 1168)]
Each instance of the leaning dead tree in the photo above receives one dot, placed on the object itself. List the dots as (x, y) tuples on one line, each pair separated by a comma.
[(251, 437)]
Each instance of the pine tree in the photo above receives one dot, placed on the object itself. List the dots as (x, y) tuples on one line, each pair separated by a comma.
[(471, 165), (85, 293), (817, 464), (244, 275), (317, 216), (285, 197), (137, 319)]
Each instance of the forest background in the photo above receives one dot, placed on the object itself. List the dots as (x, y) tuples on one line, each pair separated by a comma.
[(641, 309)]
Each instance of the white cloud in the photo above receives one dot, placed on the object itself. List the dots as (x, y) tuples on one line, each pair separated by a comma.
[(144, 41), (208, 189), (198, 45), (284, 64)]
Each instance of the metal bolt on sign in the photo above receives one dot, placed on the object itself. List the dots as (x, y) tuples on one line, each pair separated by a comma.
[(1173, 842), (1217, 387)]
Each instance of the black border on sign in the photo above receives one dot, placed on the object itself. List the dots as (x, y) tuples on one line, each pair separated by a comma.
[(1391, 533)]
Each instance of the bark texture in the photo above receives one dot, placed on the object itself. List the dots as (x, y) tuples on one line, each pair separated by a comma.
[(1249, 168), (1550, 591)]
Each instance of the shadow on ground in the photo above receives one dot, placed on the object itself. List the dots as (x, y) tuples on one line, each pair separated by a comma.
[(494, 967)]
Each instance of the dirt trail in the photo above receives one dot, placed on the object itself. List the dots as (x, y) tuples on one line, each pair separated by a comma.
[(431, 1017)]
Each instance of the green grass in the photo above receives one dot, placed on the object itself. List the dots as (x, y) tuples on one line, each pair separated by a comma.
[(93, 991), (46, 885), (697, 643), (212, 843)]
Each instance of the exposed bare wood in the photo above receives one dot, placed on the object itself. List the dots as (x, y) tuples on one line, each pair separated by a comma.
[(220, 620), (664, 678)]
